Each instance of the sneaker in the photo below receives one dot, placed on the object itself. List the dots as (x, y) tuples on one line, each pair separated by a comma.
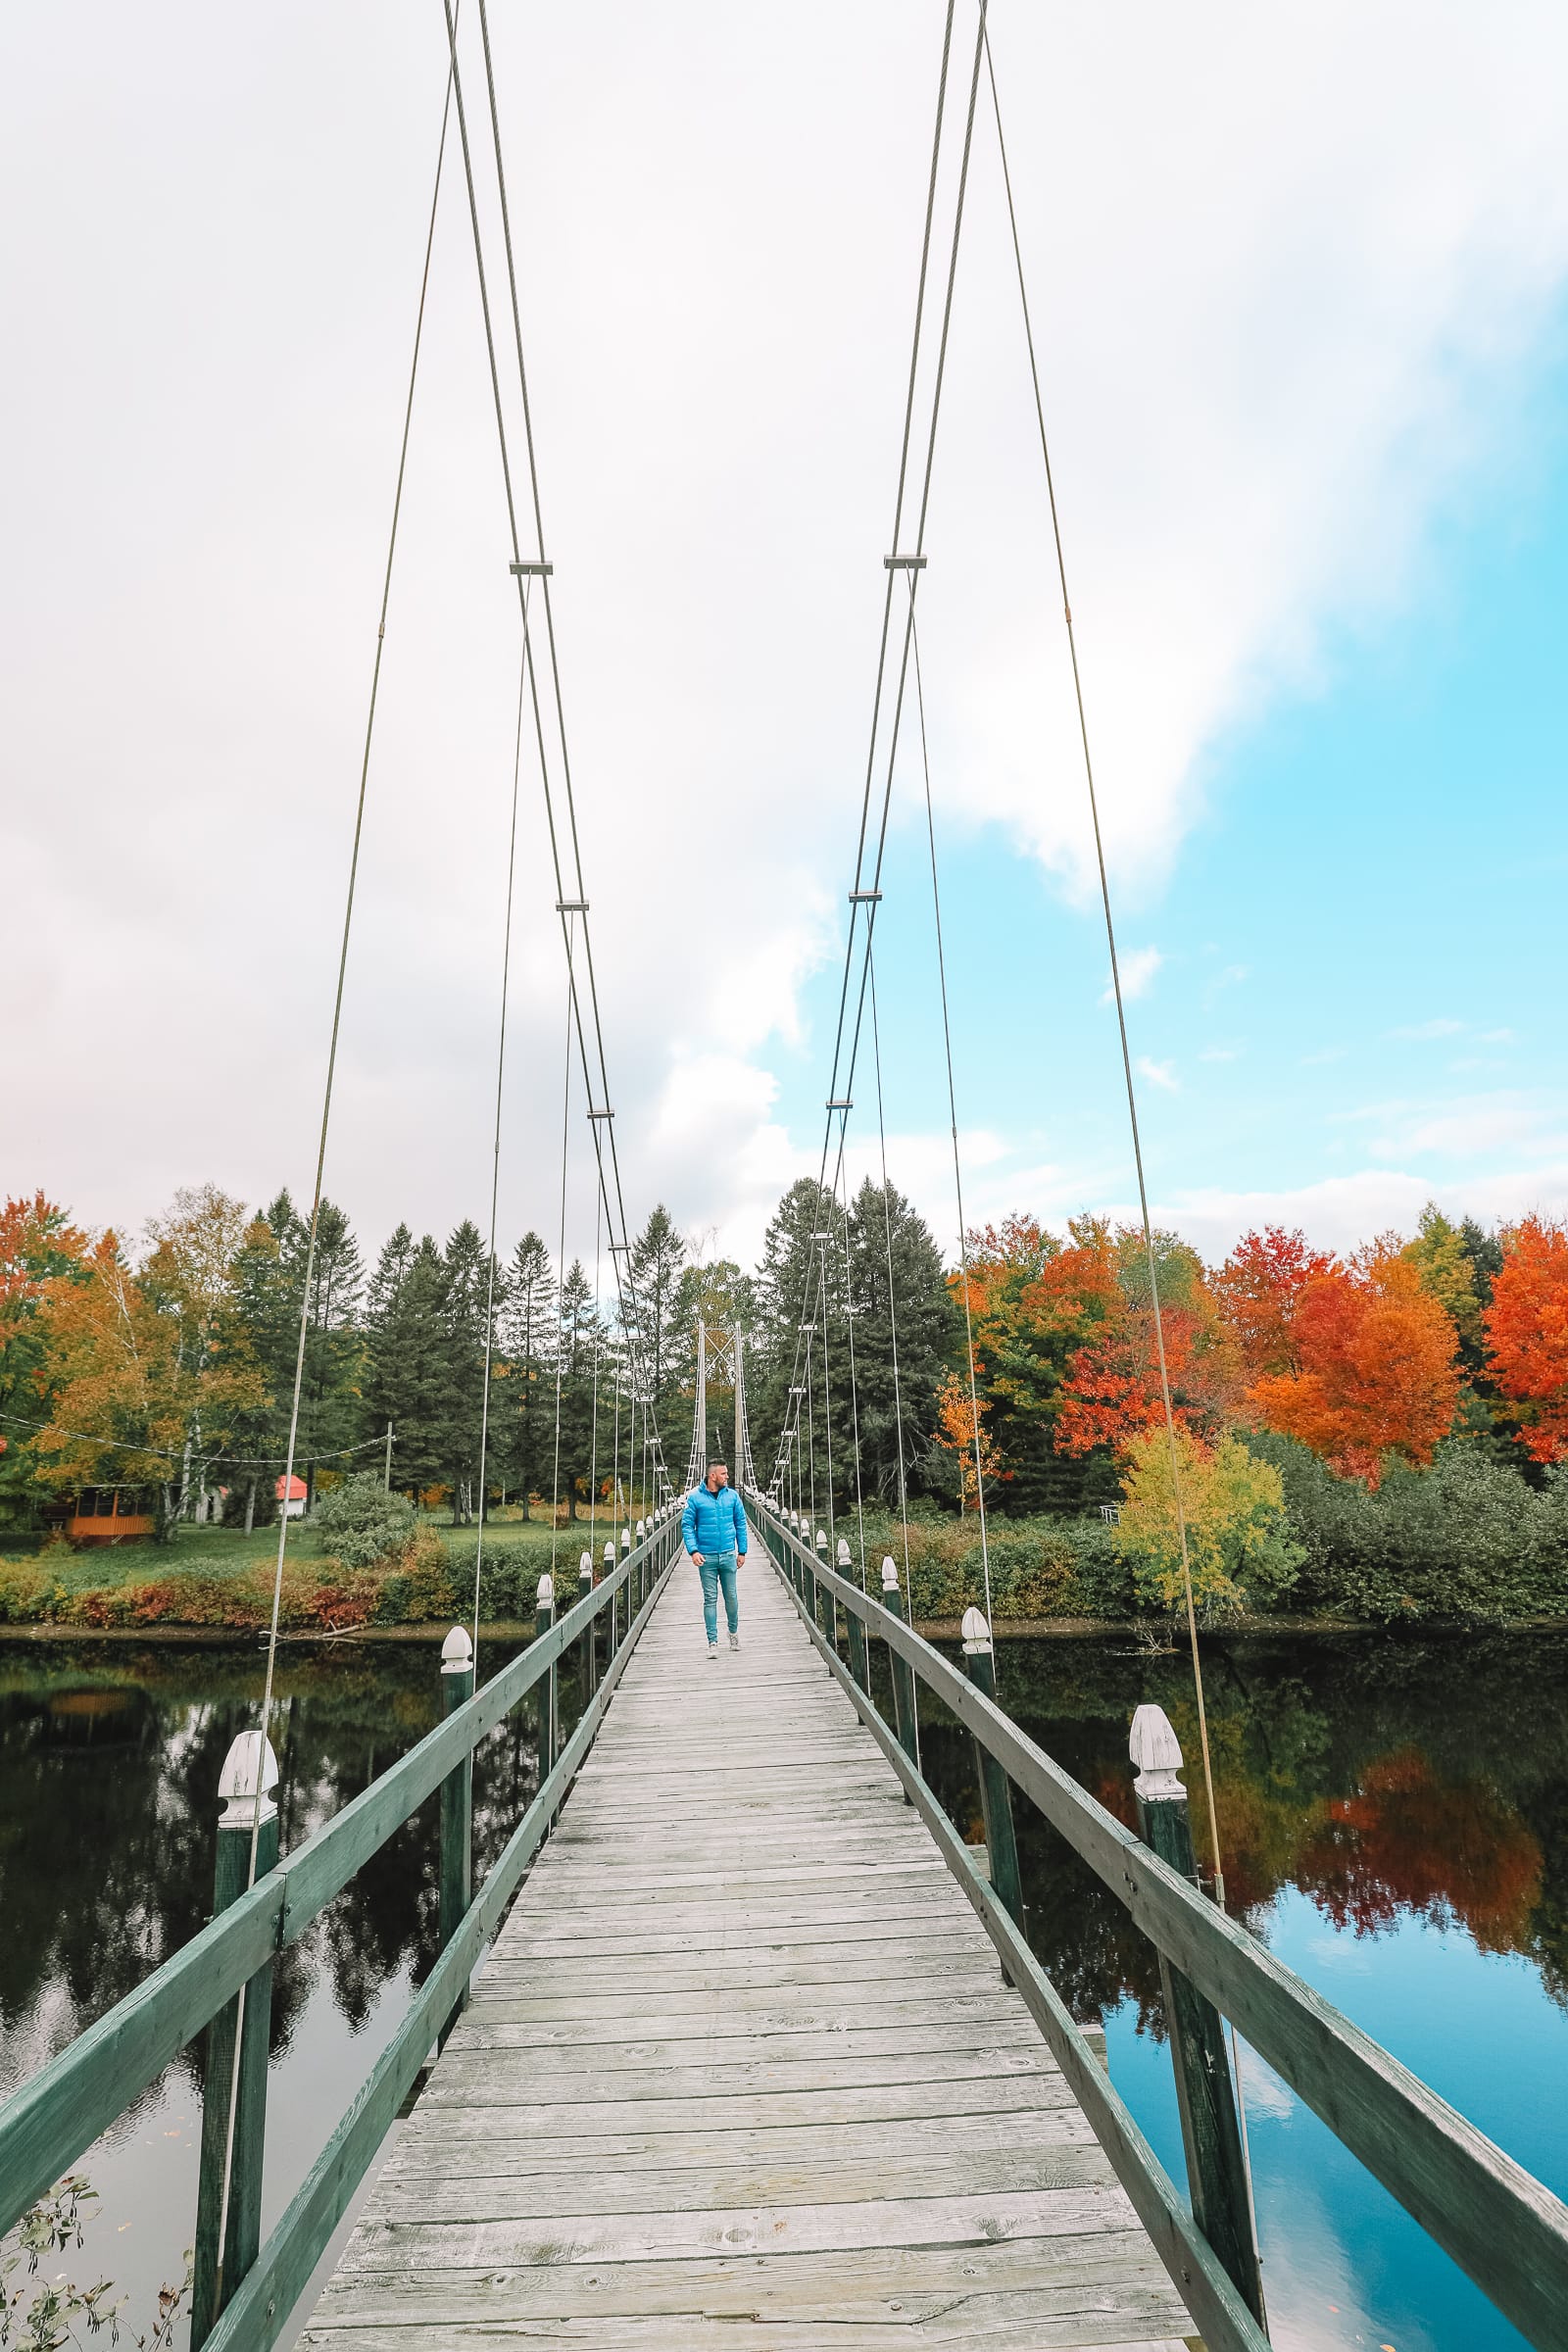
[(713, 1649), (734, 1640)]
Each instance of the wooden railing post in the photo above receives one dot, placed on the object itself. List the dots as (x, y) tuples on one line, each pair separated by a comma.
[(544, 1619), (903, 1673), (857, 1660), (590, 1663), (995, 1792), (226, 2247), (792, 1558), (822, 1602), (1216, 2167), (456, 1803)]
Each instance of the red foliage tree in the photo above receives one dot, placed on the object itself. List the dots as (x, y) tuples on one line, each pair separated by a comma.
[(1527, 1335), (1260, 1288)]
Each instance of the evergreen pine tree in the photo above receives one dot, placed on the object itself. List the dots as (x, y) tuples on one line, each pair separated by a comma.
[(406, 1358), (921, 1309), (528, 1359), (466, 1289)]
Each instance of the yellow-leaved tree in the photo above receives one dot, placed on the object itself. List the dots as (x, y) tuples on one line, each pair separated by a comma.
[(1239, 1544)]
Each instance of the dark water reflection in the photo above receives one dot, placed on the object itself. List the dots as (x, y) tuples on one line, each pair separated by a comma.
[(110, 1757), (1395, 1825)]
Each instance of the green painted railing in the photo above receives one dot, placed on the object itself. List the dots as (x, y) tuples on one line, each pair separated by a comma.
[(1501, 2226), (47, 2124)]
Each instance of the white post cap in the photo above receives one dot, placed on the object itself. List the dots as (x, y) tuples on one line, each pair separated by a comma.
[(247, 1781), (889, 1574), (456, 1651), (976, 1635), (844, 1551), (642, 1529), (547, 1590), (586, 1568), (610, 1551), (625, 1538), (1156, 1752), (821, 1538)]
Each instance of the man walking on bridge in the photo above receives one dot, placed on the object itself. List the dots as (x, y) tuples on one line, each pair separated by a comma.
[(712, 1528)]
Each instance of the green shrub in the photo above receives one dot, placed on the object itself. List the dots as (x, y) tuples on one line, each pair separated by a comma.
[(1467, 1539), (361, 1524)]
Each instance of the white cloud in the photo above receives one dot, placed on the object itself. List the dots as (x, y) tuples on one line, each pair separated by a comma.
[(1339, 235), (1159, 1073), (1338, 1212), (1221, 1053), (1324, 1054), (1138, 971), (1430, 1029)]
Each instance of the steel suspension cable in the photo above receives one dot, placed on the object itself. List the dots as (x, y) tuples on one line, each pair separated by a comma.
[(495, 1158), (952, 1116), (893, 1317), (840, 1087), (561, 1259), (1121, 1009), (326, 1118), (576, 900)]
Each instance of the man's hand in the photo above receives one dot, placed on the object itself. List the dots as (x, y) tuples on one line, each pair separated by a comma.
[(696, 1559)]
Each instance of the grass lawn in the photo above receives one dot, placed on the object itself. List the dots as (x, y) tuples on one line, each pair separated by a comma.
[(229, 1551)]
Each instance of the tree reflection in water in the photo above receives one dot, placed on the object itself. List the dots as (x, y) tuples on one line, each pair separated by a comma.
[(1382, 1775), (109, 1765)]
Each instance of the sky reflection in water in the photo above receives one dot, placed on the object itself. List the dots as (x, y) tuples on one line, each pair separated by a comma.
[(1395, 1824)]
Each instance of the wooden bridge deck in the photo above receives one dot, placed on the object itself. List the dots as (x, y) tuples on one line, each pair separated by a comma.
[(741, 2069)]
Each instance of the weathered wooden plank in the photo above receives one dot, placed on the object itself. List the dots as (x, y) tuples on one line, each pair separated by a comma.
[(466, 2080), (514, 2111), (547, 2198), (381, 2244), (551, 2052), (804, 1963), (820, 2287), (682, 2016), (423, 2155), (1017, 2325)]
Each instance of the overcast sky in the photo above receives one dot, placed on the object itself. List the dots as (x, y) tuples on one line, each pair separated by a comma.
[(1298, 276)]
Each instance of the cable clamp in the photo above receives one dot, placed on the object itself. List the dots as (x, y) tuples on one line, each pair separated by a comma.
[(904, 562), (530, 571)]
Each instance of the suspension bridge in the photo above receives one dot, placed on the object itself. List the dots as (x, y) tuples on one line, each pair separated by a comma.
[(738, 2042)]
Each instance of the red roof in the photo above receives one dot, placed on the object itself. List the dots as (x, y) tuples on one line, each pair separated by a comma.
[(297, 1489)]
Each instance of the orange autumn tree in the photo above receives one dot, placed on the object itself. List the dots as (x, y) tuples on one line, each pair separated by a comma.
[(1373, 1366), (148, 1370), (1527, 1334), (961, 1432)]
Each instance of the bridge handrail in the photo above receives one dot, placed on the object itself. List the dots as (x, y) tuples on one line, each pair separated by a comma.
[(1504, 2229), (51, 2118)]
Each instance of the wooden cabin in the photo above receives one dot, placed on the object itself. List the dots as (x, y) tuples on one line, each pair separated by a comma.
[(111, 1515)]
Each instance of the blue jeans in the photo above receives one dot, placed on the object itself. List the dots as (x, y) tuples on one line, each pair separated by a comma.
[(718, 1568)]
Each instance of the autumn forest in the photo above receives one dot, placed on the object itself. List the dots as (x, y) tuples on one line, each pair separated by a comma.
[(1374, 1434)]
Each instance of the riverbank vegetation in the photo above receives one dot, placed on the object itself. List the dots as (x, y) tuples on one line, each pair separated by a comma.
[(1374, 1435)]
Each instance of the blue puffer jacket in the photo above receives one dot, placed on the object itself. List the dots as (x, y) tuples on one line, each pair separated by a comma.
[(712, 1522)]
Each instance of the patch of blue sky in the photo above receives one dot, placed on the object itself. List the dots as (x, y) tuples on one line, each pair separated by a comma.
[(1343, 2264), (1351, 974)]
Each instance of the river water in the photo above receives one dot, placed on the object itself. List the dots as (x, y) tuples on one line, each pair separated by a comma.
[(1393, 1811)]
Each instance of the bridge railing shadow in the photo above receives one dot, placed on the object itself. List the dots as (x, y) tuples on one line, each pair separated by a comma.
[(1505, 2230)]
